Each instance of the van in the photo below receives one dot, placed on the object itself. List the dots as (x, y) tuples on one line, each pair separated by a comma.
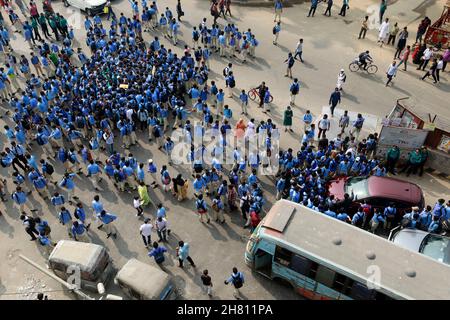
[(91, 260), (91, 7), (141, 281)]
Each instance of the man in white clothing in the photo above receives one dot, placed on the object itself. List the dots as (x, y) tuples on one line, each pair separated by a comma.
[(427, 55), (391, 72), (384, 32), (146, 232)]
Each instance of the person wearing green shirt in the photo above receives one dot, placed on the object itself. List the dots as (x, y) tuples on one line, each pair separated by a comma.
[(383, 7), (392, 157), (393, 34), (53, 24), (54, 58), (43, 23), (423, 158), (62, 25), (35, 26), (287, 119), (413, 162)]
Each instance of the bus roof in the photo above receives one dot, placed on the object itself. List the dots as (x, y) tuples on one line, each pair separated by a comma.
[(347, 249)]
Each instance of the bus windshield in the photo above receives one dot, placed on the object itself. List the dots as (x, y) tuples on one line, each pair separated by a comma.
[(359, 186)]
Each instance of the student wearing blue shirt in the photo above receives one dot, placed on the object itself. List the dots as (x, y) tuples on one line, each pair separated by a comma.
[(58, 200), (199, 185), (95, 172), (79, 232), (376, 219), (220, 97), (435, 225), (65, 218), (227, 113), (107, 219), (278, 6), (313, 8), (276, 32), (244, 102), (294, 90), (68, 183), (20, 198), (237, 280)]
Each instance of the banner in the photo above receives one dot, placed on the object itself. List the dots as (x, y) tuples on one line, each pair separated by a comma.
[(402, 137)]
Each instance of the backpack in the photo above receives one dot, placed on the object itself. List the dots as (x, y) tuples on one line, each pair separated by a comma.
[(47, 230), (39, 140), (232, 83), (274, 30), (156, 132), (30, 221), (196, 36), (225, 71), (237, 281), (49, 169), (201, 205), (159, 257)]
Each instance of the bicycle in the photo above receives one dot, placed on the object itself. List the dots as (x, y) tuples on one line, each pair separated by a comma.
[(356, 65), (253, 94)]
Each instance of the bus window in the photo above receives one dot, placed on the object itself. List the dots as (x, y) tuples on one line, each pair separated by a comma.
[(342, 284), (325, 276), (313, 270), (300, 265), (360, 292), (282, 256)]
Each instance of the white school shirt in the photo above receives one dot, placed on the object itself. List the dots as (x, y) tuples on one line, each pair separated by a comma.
[(136, 203), (427, 54), (324, 123), (146, 229)]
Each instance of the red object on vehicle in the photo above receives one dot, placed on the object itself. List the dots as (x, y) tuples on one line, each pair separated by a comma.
[(378, 192), (438, 32)]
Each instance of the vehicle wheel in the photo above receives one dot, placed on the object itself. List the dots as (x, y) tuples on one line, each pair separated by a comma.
[(252, 95), (66, 3), (372, 69), (353, 67), (270, 99)]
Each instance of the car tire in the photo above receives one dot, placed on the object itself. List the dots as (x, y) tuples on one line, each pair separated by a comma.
[(66, 3)]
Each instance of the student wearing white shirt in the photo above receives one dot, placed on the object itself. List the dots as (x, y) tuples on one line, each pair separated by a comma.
[(391, 72), (427, 54), (324, 126), (299, 50), (146, 232), (138, 206)]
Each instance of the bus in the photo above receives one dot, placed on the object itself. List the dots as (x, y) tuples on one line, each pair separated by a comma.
[(323, 258)]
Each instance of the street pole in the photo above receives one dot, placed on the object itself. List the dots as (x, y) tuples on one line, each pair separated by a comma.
[(69, 286)]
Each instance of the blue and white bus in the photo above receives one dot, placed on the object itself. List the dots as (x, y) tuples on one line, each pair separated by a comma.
[(323, 258)]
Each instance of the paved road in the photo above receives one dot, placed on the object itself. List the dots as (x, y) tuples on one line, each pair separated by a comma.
[(330, 44)]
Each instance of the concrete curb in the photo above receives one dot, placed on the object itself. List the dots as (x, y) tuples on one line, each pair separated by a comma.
[(437, 173)]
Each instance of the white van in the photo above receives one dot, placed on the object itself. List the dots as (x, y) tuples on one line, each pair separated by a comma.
[(91, 7)]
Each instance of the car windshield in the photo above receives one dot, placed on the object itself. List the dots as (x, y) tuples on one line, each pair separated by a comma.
[(437, 248), (359, 186)]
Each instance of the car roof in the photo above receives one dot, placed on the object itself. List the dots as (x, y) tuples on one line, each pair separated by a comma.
[(85, 255), (395, 189), (410, 239), (143, 278)]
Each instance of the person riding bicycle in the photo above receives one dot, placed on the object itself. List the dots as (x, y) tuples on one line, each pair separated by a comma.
[(364, 58)]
